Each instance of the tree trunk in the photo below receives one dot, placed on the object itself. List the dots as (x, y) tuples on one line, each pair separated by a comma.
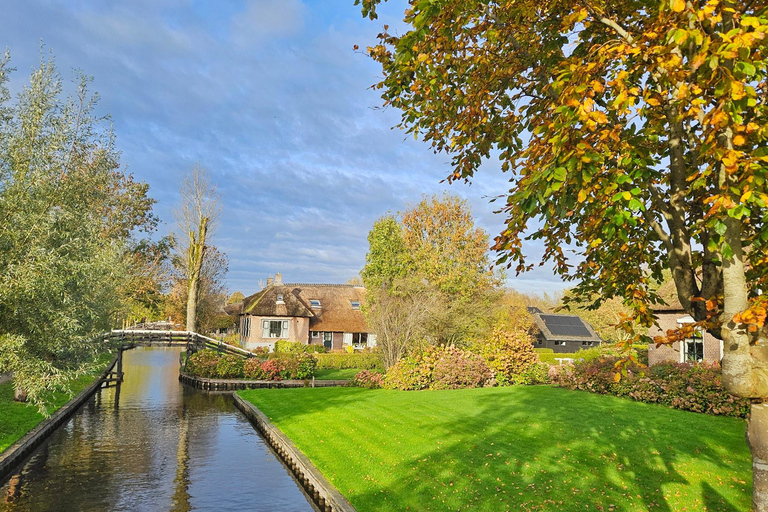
[(757, 438), (19, 393), (192, 304), (195, 255), (744, 364)]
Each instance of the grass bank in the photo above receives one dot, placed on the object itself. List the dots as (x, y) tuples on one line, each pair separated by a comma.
[(336, 374), (522, 448), (16, 419)]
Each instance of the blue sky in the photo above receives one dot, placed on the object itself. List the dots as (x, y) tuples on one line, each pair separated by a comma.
[(271, 98)]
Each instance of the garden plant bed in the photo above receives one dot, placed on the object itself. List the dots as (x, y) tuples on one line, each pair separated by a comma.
[(519, 448)]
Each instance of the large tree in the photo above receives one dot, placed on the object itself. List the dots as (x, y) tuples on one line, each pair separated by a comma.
[(67, 219), (634, 133), (196, 216), (435, 249)]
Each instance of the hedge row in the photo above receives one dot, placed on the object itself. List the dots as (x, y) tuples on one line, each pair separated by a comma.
[(209, 363), (690, 387), (340, 361)]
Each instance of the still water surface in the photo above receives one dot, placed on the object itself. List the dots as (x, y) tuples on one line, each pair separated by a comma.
[(158, 446)]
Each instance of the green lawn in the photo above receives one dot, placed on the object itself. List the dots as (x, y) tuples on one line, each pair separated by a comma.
[(16, 419), (336, 374), (521, 448)]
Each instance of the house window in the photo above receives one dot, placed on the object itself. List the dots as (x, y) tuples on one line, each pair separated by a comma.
[(245, 329), (280, 298), (355, 304), (693, 348), (586, 343), (360, 339), (328, 340), (315, 303), (558, 342), (315, 334), (274, 329)]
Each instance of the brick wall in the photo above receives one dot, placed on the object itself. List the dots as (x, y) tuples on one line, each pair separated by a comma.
[(671, 353)]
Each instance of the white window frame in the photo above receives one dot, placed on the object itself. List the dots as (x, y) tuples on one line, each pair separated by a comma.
[(355, 304), (267, 332), (315, 304), (698, 337)]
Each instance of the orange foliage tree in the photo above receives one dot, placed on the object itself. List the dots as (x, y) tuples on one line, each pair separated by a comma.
[(634, 132)]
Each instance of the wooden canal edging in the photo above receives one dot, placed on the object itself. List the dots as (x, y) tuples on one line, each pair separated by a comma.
[(235, 384), (326, 497), (15, 454)]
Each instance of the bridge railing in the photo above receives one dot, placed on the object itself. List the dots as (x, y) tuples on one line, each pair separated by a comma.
[(192, 340)]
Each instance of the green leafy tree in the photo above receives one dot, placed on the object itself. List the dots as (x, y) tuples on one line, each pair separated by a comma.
[(67, 215), (387, 258), (437, 249), (633, 132)]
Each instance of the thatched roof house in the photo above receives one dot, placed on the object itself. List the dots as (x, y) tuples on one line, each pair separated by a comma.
[(328, 314)]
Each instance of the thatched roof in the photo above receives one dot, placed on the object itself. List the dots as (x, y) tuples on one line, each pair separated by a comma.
[(265, 303), (234, 309), (668, 292), (334, 314)]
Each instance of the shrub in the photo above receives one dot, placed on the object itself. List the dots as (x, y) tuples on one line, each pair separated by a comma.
[(230, 367), (285, 346), (686, 386), (511, 356), (368, 379), (260, 351), (439, 367), (292, 365), (203, 363), (340, 360), (252, 369), (456, 369), (271, 369)]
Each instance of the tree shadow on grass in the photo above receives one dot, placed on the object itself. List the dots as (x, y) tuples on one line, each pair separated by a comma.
[(528, 449)]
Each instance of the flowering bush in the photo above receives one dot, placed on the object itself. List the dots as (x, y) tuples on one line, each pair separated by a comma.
[(230, 367), (285, 346), (686, 386), (294, 365), (368, 379), (252, 369), (203, 363), (439, 368), (511, 356)]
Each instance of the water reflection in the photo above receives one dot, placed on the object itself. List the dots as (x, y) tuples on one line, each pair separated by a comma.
[(163, 447)]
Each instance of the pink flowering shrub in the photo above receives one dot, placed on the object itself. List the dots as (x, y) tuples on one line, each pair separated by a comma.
[(368, 379), (439, 367)]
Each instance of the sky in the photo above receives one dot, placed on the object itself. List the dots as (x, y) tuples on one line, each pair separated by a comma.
[(272, 99)]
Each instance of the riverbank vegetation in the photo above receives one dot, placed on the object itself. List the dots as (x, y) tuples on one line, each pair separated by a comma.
[(71, 257), (514, 448), (16, 418)]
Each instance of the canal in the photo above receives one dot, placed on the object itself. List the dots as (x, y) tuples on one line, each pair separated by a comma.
[(157, 445)]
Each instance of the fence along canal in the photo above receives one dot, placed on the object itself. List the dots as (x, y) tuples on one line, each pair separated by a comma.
[(153, 444)]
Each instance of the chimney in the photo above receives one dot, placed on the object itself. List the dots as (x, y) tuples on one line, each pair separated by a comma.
[(269, 281), (278, 279)]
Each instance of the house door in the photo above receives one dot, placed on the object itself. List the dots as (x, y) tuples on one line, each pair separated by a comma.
[(328, 340)]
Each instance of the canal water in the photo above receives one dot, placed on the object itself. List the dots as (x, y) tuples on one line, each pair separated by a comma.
[(155, 446)]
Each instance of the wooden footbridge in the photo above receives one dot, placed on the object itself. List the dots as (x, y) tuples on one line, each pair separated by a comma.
[(126, 339)]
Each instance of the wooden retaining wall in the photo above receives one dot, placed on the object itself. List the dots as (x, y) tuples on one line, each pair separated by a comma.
[(15, 454), (326, 497), (235, 384)]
